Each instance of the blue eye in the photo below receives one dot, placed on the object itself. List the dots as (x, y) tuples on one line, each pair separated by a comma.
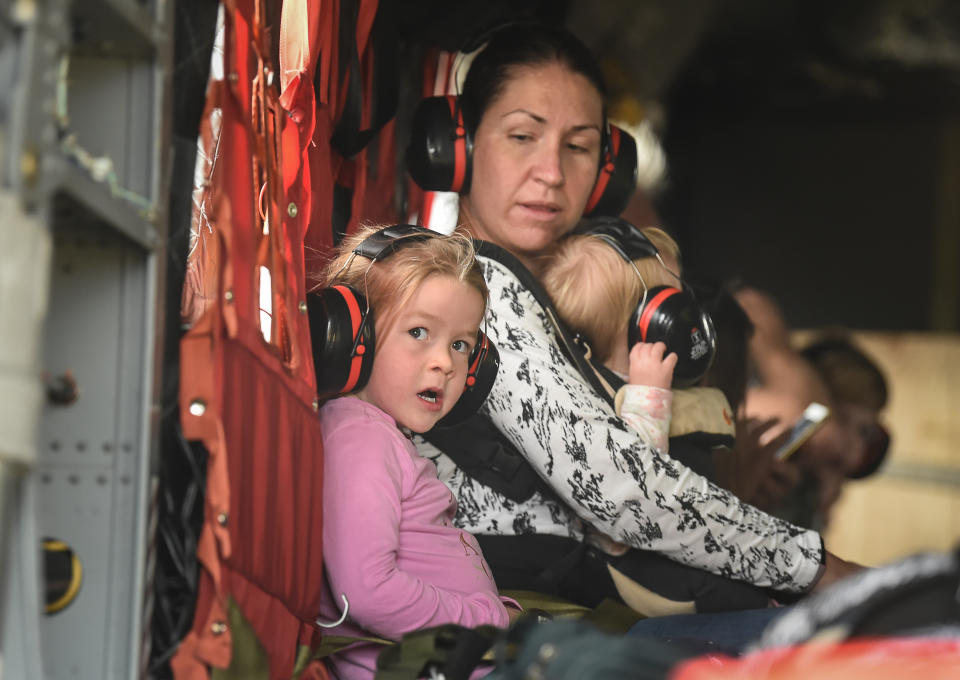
[(418, 333), (461, 346)]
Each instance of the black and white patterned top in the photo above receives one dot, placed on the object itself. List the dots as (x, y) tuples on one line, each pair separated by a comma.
[(601, 472)]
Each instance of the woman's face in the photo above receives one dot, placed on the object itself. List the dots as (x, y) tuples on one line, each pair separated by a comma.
[(535, 159)]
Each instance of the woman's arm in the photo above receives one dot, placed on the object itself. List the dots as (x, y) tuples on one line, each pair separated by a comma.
[(611, 478), (363, 487)]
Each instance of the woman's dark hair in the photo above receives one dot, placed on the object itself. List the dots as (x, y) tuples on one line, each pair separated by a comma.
[(518, 45)]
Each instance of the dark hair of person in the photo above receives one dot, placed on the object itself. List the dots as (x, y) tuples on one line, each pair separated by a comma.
[(850, 375), (519, 45), (734, 329)]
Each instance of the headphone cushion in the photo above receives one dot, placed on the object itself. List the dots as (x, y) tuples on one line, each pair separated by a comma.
[(337, 315), (617, 178), (484, 362), (674, 317), (440, 149)]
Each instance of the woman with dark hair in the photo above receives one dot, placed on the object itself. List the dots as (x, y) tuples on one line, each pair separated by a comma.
[(533, 106)]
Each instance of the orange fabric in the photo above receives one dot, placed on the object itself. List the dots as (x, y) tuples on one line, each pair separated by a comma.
[(877, 659), (250, 400)]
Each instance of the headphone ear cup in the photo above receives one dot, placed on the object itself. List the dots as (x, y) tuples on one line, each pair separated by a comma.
[(440, 152), (674, 317), (342, 338), (617, 178), (484, 364)]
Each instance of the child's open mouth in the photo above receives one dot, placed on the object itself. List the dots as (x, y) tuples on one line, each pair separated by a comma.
[(429, 396)]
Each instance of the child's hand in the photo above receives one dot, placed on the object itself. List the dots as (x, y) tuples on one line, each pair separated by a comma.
[(648, 366)]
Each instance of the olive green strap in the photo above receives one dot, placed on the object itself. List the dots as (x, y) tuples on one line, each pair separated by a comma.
[(557, 607), (613, 617), (453, 649)]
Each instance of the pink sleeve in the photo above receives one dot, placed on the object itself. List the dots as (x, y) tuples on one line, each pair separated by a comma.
[(646, 409), (363, 481)]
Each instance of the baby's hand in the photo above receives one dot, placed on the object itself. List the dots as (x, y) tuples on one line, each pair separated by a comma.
[(648, 366)]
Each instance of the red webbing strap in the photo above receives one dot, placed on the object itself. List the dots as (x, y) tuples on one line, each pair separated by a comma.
[(379, 205), (430, 67), (366, 13), (331, 50)]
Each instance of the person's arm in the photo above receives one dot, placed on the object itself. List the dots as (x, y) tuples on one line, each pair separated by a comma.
[(612, 479), (646, 410), (645, 402), (835, 569), (361, 533), (781, 369), (788, 384)]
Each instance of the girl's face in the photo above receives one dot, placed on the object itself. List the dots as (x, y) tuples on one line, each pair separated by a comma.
[(420, 365), (535, 160)]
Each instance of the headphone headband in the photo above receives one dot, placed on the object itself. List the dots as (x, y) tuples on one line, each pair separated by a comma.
[(665, 313), (342, 332), (622, 236), (383, 243), (440, 156)]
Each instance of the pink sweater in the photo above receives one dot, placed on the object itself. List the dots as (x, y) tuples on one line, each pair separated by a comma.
[(389, 543)]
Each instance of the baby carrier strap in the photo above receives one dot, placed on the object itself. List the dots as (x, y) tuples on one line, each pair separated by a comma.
[(476, 445), (573, 346)]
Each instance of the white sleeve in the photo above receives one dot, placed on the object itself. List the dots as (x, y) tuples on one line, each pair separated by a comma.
[(646, 409), (609, 476)]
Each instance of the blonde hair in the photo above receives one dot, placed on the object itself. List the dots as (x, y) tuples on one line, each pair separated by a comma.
[(390, 282), (595, 290)]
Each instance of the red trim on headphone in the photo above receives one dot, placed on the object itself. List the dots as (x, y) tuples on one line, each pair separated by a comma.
[(459, 145), (615, 139), (651, 307), (356, 321), (427, 212), (606, 169), (472, 371)]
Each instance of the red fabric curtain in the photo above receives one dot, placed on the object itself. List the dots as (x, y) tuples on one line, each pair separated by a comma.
[(247, 394)]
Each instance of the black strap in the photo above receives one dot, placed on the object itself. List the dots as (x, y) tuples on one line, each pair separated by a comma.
[(571, 345), (478, 448), (348, 139), (551, 577), (484, 454)]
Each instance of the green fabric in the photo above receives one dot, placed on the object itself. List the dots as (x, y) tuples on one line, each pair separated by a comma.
[(249, 661), (331, 644), (304, 657), (453, 648), (405, 660), (557, 607), (609, 616), (613, 617)]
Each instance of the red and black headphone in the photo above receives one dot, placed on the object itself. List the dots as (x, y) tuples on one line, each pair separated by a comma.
[(665, 313), (440, 156), (343, 340)]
